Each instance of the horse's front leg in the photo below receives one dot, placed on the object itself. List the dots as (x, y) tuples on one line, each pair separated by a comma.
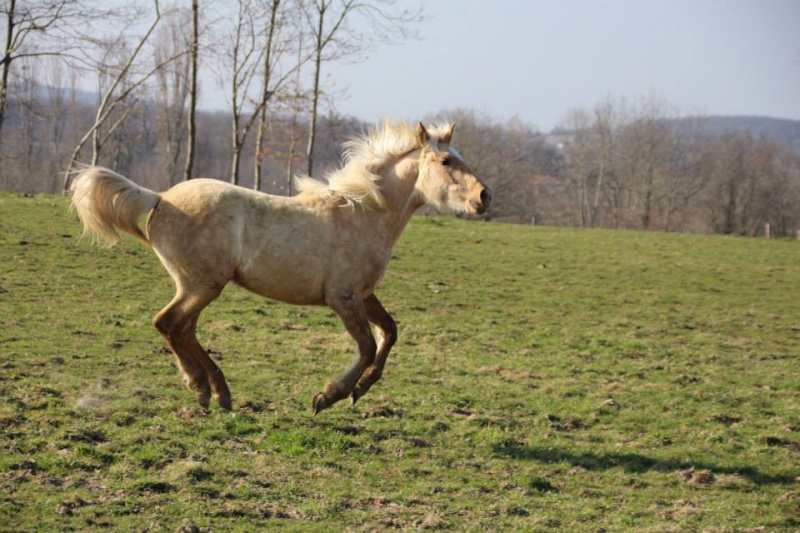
[(352, 311), (387, 336)]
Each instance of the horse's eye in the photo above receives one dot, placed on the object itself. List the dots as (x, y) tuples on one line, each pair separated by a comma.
[(446, 161)]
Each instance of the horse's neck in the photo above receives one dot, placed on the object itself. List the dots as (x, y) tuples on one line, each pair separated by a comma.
[(400, 193)]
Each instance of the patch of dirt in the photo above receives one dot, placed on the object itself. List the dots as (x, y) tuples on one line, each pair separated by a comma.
[(727, 420), (682, 509), (189, 413), (231, 510), (155, 487), (674, 510), (275, 511), (350, 430), (66, 507), (188, 526), (88, 436), (383, 410), (790, 501), (572, 424), (508, 374), (289, 326), (698, 478), (430, 521), (612, 403), (782, 443)]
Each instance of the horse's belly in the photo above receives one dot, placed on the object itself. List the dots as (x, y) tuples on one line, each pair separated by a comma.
[(283, 283)]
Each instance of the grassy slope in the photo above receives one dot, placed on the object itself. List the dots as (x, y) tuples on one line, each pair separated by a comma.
[(545, 379)]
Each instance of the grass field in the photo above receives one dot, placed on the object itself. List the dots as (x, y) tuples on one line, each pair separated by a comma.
[(545, 380)]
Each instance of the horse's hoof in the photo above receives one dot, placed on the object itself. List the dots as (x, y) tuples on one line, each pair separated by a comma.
[(320, 403), (225, 403), (355, 396), (204, 399)]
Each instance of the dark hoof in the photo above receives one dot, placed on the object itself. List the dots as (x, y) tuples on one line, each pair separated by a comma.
[(204, 399), (320, 403), (355, 396), (225, 403)]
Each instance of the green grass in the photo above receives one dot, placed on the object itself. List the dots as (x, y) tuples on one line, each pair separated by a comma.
[(545, 380)]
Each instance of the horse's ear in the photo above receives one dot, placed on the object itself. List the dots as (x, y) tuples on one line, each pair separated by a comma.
[(448, 134), (422, 135)]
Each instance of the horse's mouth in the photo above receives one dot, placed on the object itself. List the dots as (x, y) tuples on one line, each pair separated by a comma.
[(478, 208)]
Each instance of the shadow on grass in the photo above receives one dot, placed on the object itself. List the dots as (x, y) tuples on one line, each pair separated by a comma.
[(632, 462)]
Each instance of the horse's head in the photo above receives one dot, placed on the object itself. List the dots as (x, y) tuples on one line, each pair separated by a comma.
[(445, 181)]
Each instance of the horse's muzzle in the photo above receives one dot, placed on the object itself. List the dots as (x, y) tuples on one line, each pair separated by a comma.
[(485, 200)]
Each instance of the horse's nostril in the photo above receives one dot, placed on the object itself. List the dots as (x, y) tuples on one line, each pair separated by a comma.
[(486, 197)]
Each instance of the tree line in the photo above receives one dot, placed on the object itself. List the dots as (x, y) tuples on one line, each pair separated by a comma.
[(618, 164), (640, 165), (144, 57)]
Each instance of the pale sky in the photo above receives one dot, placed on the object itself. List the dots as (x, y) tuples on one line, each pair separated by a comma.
[(538, 59)]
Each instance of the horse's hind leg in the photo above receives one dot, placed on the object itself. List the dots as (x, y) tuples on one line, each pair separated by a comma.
[(352, 311), (219, 387), (177, 323), (387, 336)]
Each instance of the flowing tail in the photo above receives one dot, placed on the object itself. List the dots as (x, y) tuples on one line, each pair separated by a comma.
[(107, 202)]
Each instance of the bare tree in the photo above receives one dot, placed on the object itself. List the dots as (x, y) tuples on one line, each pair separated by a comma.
[(754, 182), (243, 59), (296, 134), (123, 79), (285, 147), (61, 93), (578, 166), (258, 63), (588, 167), (173, 87), (279, 40), (334, 38), (194, 46), (605, 123), (23, 141), (784, 199), (684, 178), (26, 26)]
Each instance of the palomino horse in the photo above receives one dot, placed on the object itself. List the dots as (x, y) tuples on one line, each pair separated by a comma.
[(328, 245)]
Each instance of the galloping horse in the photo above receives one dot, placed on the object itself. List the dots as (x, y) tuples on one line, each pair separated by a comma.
[(328, 245)]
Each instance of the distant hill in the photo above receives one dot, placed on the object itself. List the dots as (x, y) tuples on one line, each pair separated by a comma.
[(784, 131)]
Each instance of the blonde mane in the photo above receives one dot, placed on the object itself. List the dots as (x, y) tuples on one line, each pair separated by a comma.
[(358, 181)]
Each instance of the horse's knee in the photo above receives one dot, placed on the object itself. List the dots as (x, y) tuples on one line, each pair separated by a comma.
[(367, 351), (169, 324), (163, 323), (390, 332), (374, 374)]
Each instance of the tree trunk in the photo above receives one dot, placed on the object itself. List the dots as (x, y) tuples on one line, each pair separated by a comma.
[(190, 143), (312, 130), (237, 156), (6, 63), (265, 96)]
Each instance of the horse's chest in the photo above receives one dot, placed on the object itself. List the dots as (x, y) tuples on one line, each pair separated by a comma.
[(360, 268)]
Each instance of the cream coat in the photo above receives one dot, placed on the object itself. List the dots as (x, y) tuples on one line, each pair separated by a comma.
[(328, 245)]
